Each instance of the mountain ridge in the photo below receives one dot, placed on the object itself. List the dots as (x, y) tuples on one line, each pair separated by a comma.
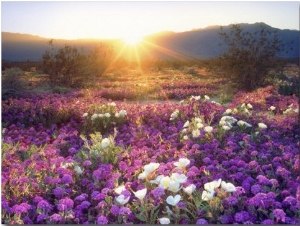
[(200, 43)]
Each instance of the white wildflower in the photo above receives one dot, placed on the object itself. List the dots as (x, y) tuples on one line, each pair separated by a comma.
[(157, 179), (107, 115), (186, 124), (207, 195), (120, 189), (208, 129), (164, 182), (182, 163), (196, 133), (174, 186), (173, 200), (122, 200), (94, 116), (123, 113), (140, 194), (229, 187), (262, 125), (212, 185), (189, 189), (249, 106), (180, 178), (272, 108), (78, 170), (105, 143), (164, 220), (227, 112), (243, 123)]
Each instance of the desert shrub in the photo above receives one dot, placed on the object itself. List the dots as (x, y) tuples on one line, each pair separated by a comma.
[(73, 68), (99, 149), (102, 118), (289, 87), (61, 89), (12, 83), (250, 56), (191, 70)]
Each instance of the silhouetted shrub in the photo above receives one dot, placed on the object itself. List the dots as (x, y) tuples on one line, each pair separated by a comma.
[(250, 56), (12, 83), (69, 67)]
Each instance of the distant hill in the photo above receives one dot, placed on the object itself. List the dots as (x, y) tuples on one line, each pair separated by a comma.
[(194, 44)]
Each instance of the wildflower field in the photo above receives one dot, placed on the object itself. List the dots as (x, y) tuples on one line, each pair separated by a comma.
[(185, 157)]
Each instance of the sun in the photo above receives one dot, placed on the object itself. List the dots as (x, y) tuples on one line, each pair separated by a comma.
[(132, 40)]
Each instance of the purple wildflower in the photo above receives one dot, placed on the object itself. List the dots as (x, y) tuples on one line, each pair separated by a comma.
[(103, 172), (27, 220), (94, 194), (58, 192), (68, 202), (37, 199), (55, 217), (282, 172), (44, 205), (26, 206), (268, 221), (126, 193), (181, 205), (87, 163), (105, 191), (158, 192), (55, 181), (81, 197), (114, 210), (239, 190), (263, 180), (41, 217), (67, 179), (73, 151), (99, 196), (85, 204), (102, 220), (226, 219), (231, 200), (124, 210), (123, 166), (256, 188), (242, 216), (18, 209), (61, 207), (101, 204), (279, 214), (201, 221)]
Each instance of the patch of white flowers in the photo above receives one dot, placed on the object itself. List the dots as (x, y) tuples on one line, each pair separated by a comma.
[(105, 143), (173, 183), (194, 127), (121, 114), (209, 188), (290, 109), (243, 123), (227, 122), (195, 97), (262, 125), (174, 115)]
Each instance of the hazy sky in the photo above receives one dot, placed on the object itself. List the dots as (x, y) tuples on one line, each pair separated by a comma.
[(71, 20)]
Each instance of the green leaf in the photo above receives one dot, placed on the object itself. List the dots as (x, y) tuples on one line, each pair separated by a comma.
[(154, 214), (141, 217)]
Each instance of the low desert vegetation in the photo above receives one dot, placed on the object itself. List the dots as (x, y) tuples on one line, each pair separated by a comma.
[(163, 142)]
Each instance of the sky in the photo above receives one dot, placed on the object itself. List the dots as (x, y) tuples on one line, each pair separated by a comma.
[(122, 19)]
